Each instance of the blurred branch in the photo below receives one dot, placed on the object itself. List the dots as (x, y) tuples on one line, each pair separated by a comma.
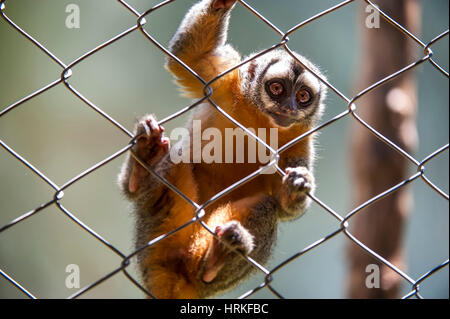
[(391, 110)]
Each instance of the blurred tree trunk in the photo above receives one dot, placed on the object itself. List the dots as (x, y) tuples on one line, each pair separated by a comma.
[(390, 109)]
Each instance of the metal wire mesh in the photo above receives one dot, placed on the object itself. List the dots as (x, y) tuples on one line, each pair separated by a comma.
[(351, 112)]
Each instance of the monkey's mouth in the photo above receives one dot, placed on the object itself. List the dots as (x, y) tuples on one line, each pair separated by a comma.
[(282, 119)]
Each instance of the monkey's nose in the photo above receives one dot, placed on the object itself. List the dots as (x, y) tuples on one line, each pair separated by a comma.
[(288, 110)]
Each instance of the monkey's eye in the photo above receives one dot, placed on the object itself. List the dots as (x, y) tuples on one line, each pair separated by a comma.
[(275, 88), (304, 96)]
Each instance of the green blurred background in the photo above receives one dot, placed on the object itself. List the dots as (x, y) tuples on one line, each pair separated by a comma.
[(63, 137)]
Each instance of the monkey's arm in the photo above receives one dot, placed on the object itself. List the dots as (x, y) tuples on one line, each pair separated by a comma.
[(296, 184), (200, 43)]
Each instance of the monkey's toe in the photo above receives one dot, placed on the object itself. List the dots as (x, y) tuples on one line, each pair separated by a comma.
[(151, 144), (148, 128), (298, 180)]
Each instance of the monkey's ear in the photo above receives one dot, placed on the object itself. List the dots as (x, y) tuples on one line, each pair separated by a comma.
[(251, 70)]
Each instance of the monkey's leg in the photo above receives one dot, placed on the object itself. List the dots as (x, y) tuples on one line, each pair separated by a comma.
[(247, 226), (293, 198), (200, 43), (232, 236), (176, 270), (151, 147), (193, 264)]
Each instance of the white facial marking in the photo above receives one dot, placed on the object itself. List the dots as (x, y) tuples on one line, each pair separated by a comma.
[(310, 81), (281, 69)]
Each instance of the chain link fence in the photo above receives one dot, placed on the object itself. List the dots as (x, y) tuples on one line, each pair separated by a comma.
[(343, 218)]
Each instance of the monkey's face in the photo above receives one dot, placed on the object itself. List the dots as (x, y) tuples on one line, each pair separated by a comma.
[(279, 86)]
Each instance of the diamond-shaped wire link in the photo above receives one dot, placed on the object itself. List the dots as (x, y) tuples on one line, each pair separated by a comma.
[(351, 112)]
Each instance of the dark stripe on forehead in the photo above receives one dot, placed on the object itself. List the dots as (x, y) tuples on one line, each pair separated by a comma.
[(264, 71), (297, 69), (259, 81)]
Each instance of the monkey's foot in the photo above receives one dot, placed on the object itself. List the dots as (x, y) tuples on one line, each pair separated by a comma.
[(223, 4), (151, 146), (233, 235), (298, 181)]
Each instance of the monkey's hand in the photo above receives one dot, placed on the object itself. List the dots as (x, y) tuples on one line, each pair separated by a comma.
[(223, 4), (233, 235), (150, 147), (297, 182)]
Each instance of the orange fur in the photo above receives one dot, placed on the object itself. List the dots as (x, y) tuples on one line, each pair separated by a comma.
[(167, 281)]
